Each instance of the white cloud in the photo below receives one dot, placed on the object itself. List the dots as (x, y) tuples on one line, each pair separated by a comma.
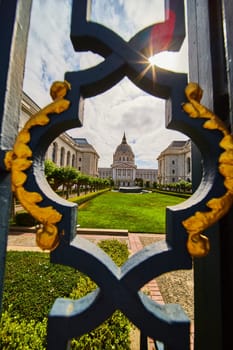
[(139, 115), (127, 17), (145, 13), (124, 108), (50, 52)]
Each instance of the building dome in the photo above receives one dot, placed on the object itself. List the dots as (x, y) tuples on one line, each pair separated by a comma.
[(123, 167), (124, 172), (123, 150)]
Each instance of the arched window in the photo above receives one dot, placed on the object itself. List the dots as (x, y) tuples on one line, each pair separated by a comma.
[(68, 159), (54, 152), (62, 156), (188, 165), (73, 160)]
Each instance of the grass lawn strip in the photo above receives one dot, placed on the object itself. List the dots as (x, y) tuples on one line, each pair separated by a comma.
[(133, 212)]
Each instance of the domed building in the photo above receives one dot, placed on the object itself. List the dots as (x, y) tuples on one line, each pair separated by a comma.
[(123, 170), (123, 167)]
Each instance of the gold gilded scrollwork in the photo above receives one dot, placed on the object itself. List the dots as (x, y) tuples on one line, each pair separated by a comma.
[(197, 243), (18, 160)]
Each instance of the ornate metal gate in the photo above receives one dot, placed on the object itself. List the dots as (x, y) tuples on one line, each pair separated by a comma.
[(120, 288)]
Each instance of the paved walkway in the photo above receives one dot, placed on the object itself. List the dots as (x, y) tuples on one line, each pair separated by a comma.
[(136, 245), (26, 242)]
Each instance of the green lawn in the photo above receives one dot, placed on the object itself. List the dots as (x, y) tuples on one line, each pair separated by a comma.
[(134, 212)]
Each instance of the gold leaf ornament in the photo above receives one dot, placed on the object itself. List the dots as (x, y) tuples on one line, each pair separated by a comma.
[(198, 244), (16, 161)]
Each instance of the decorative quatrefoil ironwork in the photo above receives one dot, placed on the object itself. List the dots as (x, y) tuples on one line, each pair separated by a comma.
[(118, 288)]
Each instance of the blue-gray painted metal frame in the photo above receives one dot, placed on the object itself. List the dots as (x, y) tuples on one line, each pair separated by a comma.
[(119, 288), (14, 23)]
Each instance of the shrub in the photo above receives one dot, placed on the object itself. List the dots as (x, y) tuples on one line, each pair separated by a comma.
[(175, 194), (116, 250), (87, 197), (17, 333), (32, 284), (111, 334), (114, 332), (23, 218)]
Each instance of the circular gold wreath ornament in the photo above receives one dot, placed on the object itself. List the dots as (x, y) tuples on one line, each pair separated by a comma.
[(198, 244), (18, 160)]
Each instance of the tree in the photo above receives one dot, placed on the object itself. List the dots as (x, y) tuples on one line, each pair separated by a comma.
[(49, 169), (82, 183), (60, 176), (138, 182), (69, 175)]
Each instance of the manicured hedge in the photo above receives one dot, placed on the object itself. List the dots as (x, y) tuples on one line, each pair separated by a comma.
[(87, 197), (31, 285), (22, 218), (173, 193), (117, 251), (19, 334), (114, 332)]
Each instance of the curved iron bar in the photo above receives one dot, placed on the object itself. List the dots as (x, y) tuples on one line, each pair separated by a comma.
[(118, 292), (118, 287)]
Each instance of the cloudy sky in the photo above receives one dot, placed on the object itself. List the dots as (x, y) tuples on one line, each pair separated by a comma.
[(125, 108)]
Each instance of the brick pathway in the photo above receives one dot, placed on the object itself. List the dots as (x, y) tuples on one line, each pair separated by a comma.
[(136, 245)]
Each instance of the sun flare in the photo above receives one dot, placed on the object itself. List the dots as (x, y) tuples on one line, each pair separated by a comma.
[(152, 60)]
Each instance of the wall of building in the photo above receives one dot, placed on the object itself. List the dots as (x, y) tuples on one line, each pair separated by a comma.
[(64, 150), (105, 173), (87, 157), (147, 175), (174, 163)]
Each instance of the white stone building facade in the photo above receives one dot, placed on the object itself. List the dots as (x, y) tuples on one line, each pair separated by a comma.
[(174, 163), (123, 166), (64, 150), (124, 171)]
